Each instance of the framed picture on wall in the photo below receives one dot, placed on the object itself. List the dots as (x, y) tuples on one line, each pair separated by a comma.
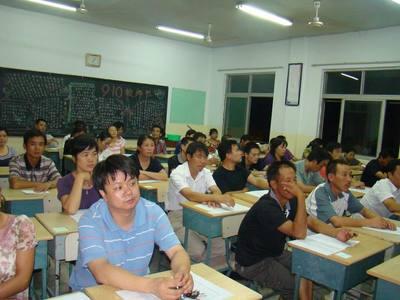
[(293, 84)]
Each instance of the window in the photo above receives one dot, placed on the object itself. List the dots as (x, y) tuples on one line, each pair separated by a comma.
[(386, 82), (343, 82), (248, 106)]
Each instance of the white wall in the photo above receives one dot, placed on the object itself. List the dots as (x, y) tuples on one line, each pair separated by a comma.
[(374, 48), (40, 42)]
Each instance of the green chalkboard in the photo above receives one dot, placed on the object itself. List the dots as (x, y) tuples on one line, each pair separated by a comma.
[(62, 99), (187, 106)]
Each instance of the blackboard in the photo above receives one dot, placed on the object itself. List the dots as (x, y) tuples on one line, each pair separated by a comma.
[(62, 99)]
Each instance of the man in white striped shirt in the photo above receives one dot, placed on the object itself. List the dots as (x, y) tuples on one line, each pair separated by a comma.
[(118, 233)]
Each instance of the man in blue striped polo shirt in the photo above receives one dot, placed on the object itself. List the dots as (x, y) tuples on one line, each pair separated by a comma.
[(117, 236)]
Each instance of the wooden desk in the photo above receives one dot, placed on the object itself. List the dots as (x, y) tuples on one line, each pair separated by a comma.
[(4, 172), (163, 158), (335, 272), (42, 236), (245, 197), (171, 150), (388, 274), (392, 238), (130, 149), (59, 225), (239, 291), (18, 203), (155, 191), (204, 223)]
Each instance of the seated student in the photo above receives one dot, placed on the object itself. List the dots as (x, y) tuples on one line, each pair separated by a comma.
[(331, 201), (180, 158), (118, 233), (244, 139), (199, 137), (77, 126), (288, 154), (32, 169), (6, 152), (17, 254), (120, 130), (157, 135), (376, 168), (307, 170), (191, 181), (213, 158), (230, 176), (150, 167), (260, 254), (76, 190), (384, 197), (102, 141), (350, 158), (315, 143), (251, 157), (188, 133), (277, 150), (41, 125), (115, 144), (213, 142)]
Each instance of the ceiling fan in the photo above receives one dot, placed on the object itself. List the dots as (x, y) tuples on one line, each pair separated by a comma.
[(82, 8), (316, 22), (208, 38)]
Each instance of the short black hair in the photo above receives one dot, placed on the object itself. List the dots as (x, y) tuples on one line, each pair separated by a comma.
[(249, 146), (318, 154), (332, 146), (142, 138), (40, 120), (316, 143), (81, 143), (392, 165), (225, 147), (275, 143), (119, 124), (245, 137), (213, 130), (281, 137), (102, 135), (226, 137), (196, 147), (186, 140), (385, 153), (4, 129), (332, 165), (198, 135), (33, 133), (190, 132), (109, 168), (273, 169), (159, 127)]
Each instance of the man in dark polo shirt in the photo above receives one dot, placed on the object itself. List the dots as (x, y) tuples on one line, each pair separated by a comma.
[(376, 168), (231, 175)]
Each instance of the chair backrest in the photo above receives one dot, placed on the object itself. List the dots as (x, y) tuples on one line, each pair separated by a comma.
[(71, 246), (231, 224)]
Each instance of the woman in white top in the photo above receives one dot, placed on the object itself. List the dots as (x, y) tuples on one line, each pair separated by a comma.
[(116, 144)]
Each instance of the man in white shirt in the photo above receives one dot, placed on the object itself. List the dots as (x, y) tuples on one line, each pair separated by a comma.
[(384, 197), (192, 181)]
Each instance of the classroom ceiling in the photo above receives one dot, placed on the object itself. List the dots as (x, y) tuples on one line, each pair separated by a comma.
[(230, 26)]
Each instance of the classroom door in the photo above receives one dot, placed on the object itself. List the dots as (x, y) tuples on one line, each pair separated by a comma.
[(331, 120), (235, 116), (260, 118)]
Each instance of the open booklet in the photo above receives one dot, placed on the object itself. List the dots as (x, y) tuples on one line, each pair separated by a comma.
[(32, 192), (207, 289), (258, 193), (323, 244), (223, 209), (397, 231)]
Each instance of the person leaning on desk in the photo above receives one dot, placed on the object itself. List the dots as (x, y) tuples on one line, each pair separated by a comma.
[(117, 236), (32, 169)]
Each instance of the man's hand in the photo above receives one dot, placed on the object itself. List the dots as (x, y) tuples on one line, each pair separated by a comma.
[(42, 187)]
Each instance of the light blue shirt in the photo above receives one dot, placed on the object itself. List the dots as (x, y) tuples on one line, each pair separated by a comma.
[(100, 237), (307, 178)]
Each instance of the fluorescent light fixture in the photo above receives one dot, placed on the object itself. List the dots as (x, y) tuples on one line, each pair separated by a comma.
[(396, 1), (181, 32), (263, 14), (55, 5), (349, 76)]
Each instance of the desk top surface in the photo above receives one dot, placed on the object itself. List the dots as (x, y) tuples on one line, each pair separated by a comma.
[(245, 197), (165, 156), (389, 270), (4, 171), (367, 247), (41, 233), (392, 238), (192, 206), (17, 194), (239, 291), (57, 223)]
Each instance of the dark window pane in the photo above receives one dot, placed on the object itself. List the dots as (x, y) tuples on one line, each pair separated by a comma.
[(235, 116), (361, 126), (343, 82), (386, 82), (391, 130), (260, 118), (239, 84), (330, 127), (263, 83)]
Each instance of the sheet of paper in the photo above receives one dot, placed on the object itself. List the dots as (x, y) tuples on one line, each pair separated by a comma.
[(148, 181), (77, 216), (258, 193), (397, 231), (364, 190), (72, 296), (223, 209), (323, 244), (32, 192), (207, 289)]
